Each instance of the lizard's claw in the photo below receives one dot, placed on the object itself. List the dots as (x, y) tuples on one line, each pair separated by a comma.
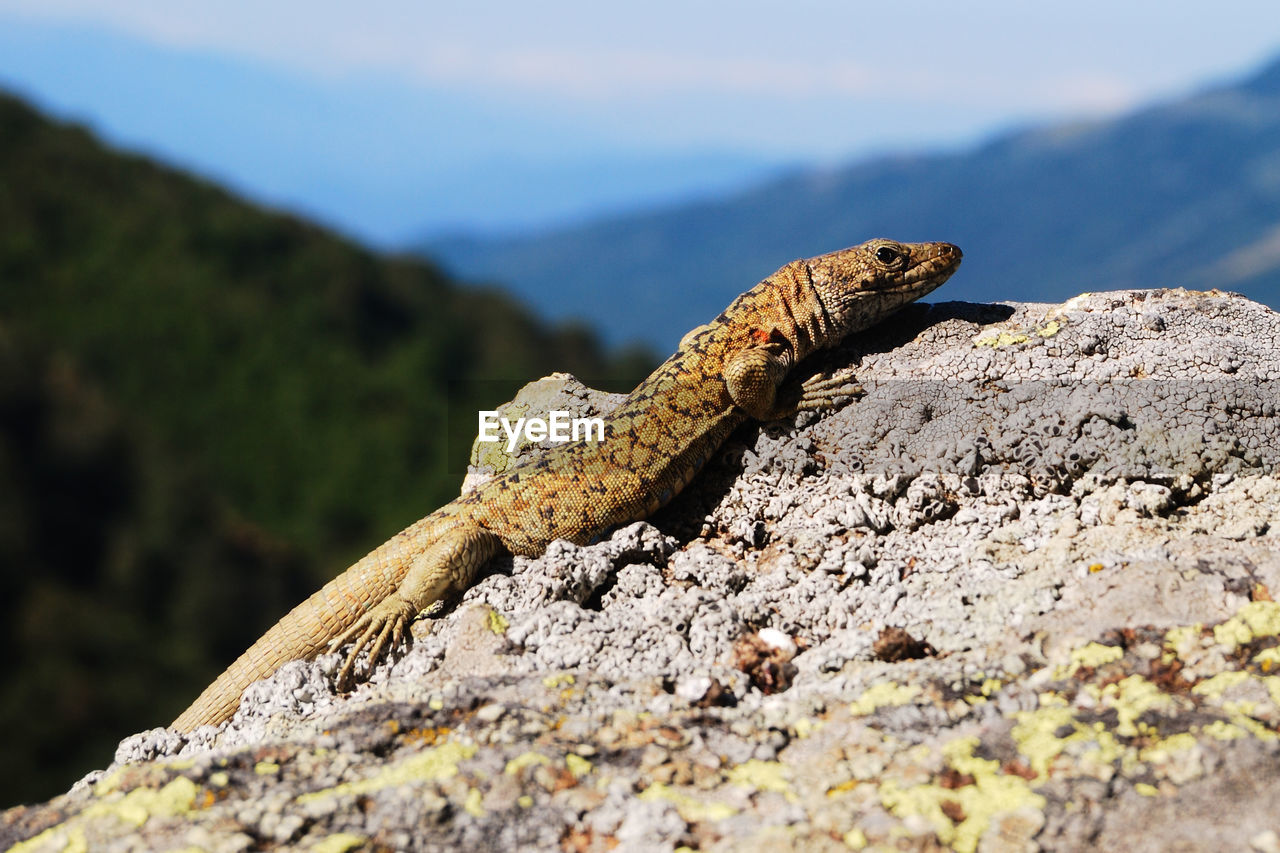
[(385, 624), (822, 391), (817, 393)]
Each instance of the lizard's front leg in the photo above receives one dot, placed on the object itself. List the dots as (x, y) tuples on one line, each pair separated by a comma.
[(451, 562), (754, 377)]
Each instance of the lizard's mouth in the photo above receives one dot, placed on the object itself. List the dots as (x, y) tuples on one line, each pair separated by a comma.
[(932, 269), (942, 259)]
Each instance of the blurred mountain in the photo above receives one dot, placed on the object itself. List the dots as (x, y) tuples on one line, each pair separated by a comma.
[(394, 160), (206, 409), (1185, 193)]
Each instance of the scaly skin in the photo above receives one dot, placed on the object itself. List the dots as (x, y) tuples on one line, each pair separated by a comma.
[(723, 374)]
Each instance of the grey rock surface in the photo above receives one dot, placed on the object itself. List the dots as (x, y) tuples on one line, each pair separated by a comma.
[(1016, 597)]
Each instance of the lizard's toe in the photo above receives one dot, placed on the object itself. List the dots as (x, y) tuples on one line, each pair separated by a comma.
[(372, 631)]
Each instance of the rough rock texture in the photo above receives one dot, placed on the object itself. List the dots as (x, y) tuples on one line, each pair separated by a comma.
[(1017, 597)]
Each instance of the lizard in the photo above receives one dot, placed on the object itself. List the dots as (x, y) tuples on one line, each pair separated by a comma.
[(722, 374)]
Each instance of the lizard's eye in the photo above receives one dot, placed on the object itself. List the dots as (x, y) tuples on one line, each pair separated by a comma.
[(887, 255)]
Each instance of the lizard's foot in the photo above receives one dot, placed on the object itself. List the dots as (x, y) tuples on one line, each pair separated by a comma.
[(385, 623), (821, 391)]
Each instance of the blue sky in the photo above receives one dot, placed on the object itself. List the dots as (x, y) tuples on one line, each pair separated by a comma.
[(532, 109)]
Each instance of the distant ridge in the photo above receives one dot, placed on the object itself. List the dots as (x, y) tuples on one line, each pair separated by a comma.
[(1185, 192)]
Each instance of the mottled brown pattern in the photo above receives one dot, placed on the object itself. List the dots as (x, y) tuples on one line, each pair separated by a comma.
[(724, 373)]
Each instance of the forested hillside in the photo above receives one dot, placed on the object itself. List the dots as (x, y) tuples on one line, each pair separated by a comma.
[(206, 409)]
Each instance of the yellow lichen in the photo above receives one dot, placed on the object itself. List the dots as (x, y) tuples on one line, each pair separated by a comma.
[(1268, 659), (1035, 733), (108, 783), (429, 765), (1253, 620), (1231, 633), (497, 623), (527, 759), (339, 842), (62, 838), (560, 679), (1213, 688), (1221, 730), (1183, 640), (991, 793), (1247, 724), (760, 776), (1131, 697), (1094, 655), (577, 765), (1162, 750), (266, 768), (471, 805), (133, 808), (1262, 617), (1001, 339), (690, 807), (1272, 683), (883, 694), (854, 839), (141, 803)]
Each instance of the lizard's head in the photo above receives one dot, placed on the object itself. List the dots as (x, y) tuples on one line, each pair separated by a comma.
[(861, 285)]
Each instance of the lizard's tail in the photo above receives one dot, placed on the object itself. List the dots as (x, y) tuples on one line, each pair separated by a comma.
[(308, 629)]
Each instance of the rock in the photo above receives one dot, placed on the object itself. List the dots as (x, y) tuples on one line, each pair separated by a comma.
[(1019, 596)]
